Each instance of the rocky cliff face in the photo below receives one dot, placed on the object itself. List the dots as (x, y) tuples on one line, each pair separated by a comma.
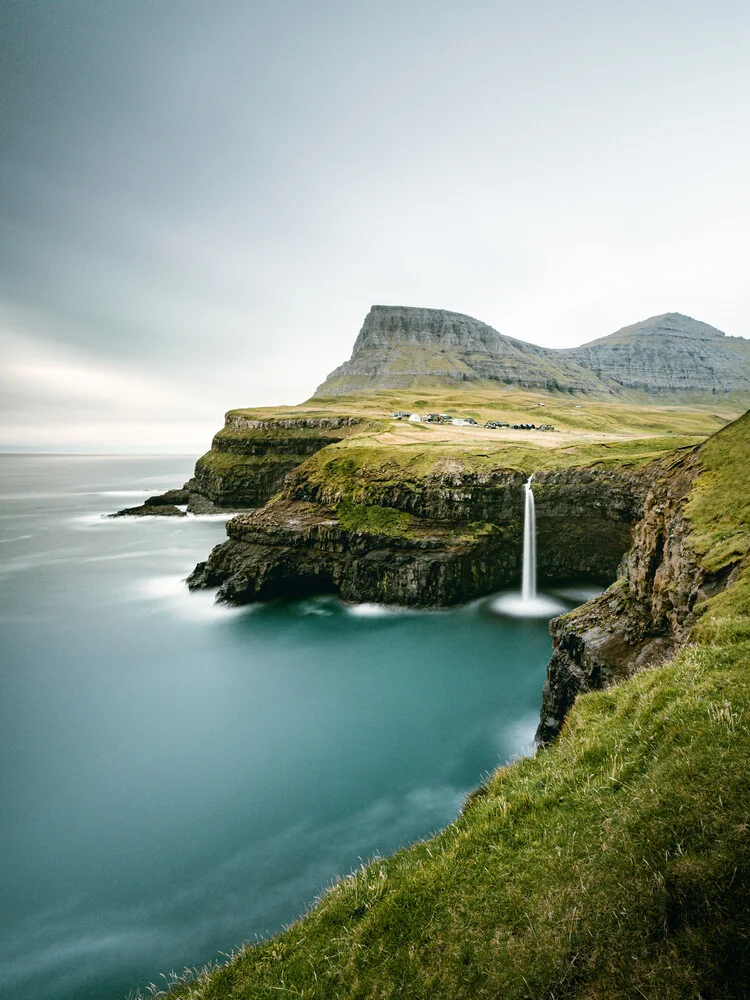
[(647, 614), (291, 549), (250, 459), (399, 346), (669, 353), (584, 515), (248, 463), (439, 540)]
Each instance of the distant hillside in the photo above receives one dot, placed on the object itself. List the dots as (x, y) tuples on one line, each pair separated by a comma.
[(670, 352), (401, 346)]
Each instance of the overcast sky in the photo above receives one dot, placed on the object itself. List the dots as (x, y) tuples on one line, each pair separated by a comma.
[(200, 202)]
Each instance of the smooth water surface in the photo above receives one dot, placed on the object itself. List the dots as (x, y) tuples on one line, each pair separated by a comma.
[(177, 777)]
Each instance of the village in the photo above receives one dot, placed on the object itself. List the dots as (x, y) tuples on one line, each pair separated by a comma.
[(445, 418)]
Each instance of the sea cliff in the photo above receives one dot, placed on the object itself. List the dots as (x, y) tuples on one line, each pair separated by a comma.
[(664, 582), (440, 538), (248, 462)]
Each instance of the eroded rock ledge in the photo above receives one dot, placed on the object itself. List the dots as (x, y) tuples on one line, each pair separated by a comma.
[(444, 539), (247, 464), (292, 548), (643, 618)]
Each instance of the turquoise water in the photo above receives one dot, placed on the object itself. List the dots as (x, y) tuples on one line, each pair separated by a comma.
[(177, 778)]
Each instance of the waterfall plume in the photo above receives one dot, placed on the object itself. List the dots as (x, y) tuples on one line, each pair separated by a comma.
[(528, 604), (528, 579)]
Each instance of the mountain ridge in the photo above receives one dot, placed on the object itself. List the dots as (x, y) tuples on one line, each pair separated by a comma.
[(398, 346)]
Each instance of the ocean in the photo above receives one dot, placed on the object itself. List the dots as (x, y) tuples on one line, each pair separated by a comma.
[(177, 777)]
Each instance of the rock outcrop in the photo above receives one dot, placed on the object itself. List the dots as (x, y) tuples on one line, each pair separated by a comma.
[(249, 461), (291, 549), (150, 510), (171, 497), (648, 613), (401, 346), (440, 540)]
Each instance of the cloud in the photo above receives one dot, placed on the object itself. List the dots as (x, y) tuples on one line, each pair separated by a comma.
[(211, 201), (56, 396)]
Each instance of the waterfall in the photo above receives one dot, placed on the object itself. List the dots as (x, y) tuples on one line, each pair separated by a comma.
[(528, 579), (528, 604)]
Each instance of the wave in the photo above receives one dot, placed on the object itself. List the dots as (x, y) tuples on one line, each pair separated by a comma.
[(195, 606), (369, 609)]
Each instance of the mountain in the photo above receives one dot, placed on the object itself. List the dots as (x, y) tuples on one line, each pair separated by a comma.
[(401, 346), (669, 352)]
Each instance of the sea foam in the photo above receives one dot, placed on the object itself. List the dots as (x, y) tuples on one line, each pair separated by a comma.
[(515, 606)]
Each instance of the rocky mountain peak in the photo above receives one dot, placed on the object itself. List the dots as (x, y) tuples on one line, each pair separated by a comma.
[(668, 353), (399, 345), (386, 326), (666, 326)]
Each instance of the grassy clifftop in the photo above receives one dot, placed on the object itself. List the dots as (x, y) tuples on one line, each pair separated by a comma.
[(379, 449), (351, 468), (719, 507), (251, 456), (490, 402), (614, 864)]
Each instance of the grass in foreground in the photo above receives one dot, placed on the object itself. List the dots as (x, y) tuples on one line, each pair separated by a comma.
[(614, 864)]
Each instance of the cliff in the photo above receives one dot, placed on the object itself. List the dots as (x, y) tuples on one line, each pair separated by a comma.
[(376, 516), (289, 549), (399, 347), (248, 462), (250, 458), (679, 560), (443, 536)]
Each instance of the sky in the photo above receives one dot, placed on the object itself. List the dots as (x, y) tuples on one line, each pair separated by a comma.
[(200, 202)]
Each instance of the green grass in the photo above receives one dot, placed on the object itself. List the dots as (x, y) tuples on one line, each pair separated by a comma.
[(284, 435), (614, 864), (357, 468), (374, 520), (488, 401), (719, 507), (643, 431)]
